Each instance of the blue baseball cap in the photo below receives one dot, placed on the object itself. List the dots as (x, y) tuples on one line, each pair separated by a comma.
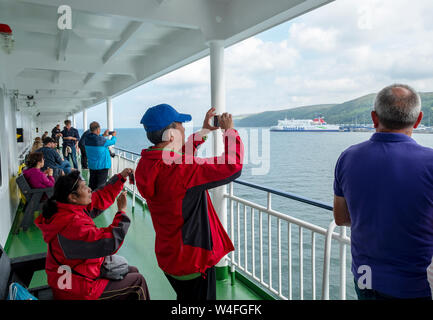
[(160, 116)]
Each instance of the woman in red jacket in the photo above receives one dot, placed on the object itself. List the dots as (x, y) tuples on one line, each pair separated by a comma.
[(76, 247)]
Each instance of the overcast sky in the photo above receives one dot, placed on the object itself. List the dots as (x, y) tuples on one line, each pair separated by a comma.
[(336, 53)]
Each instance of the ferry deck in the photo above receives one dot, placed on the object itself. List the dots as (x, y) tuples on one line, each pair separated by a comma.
[(52, 69)]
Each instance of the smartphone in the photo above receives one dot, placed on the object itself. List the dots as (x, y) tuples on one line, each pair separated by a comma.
[(131, 178), (215, 121), (110, 133)]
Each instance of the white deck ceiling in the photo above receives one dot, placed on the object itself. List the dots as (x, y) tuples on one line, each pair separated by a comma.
[(114, 45)]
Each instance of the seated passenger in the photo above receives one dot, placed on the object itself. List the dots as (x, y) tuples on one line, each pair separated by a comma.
[(53, 159), (37, 144), (33, 174), (75, 243)]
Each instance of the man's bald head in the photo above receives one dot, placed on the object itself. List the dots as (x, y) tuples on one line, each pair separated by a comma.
[(397, 106)]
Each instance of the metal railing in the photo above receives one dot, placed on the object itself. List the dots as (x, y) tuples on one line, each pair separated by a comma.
[(245, 259), (240, 257), (127, 159)]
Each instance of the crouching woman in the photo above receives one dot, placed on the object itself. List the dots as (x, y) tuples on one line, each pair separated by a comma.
[(76, 247)]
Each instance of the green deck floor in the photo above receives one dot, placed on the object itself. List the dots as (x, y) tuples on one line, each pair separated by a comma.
[(138, 248)]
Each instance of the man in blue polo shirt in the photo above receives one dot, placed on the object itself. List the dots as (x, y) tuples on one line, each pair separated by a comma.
[(70, 138), (383, 190)]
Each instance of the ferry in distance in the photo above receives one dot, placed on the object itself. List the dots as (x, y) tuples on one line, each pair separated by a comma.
[(302, 125)]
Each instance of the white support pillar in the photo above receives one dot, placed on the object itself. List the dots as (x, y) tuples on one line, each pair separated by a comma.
[(110, 123), (110, 127), (85, 126), (218, 101)]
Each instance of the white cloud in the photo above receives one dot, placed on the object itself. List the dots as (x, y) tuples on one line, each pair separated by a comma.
[(197, 73), (338, 52), (313, 38), (253, 56)]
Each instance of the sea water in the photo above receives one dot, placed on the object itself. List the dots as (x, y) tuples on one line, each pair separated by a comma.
[(301, 163)]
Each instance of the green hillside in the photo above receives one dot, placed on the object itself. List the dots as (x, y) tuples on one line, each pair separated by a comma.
[(353, 111)]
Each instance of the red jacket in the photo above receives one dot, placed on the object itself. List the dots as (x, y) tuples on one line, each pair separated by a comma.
[(76, 242), (189, 235)]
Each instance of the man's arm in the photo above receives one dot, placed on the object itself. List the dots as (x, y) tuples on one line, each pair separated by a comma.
[(57, 157), (76, 135), (105, 196), (207, 173), (110, 142), (341, 212)]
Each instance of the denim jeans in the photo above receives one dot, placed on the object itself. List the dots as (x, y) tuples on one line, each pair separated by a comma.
[(72, 155), (66, 167)]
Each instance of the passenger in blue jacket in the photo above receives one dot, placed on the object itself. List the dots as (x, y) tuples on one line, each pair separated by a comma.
[(98, 155)]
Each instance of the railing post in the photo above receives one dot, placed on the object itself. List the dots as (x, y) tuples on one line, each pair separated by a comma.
[(134, 190), (85, 120), (232, 234), (327, 260), (218, 102), (342, 264), (110, 123), (269, 202)]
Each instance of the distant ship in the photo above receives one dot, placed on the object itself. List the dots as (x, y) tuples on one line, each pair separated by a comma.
[(423, 129), (315, 125)]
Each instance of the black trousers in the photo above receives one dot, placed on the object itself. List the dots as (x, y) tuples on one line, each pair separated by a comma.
[(83, 158), (97, 178), (199, 289), (132, 287)]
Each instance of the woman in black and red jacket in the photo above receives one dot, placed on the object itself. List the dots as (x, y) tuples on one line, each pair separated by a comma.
[(75, 242)]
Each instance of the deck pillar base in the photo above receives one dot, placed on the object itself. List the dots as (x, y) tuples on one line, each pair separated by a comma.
[(222, 273)]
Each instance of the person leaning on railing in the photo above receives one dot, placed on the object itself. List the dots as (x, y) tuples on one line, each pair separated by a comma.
[(76, 247), (383, 190), (190, 239)]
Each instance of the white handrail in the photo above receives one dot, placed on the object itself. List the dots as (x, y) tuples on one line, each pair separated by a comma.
[(250, 270), (327, 261), (315, 230)]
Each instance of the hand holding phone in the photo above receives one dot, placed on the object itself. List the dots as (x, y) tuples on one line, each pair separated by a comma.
[(215, 121), (131, 178), (209, 120)]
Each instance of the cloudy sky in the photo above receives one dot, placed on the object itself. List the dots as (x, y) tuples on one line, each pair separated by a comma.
[(339, 52)]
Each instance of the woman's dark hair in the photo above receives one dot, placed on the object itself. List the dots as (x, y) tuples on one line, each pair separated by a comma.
[(33, 159), (64, 186), (156, 136)]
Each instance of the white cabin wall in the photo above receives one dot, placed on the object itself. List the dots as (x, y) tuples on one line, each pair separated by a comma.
[(9, 151), (25, 120), (9, 194)]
